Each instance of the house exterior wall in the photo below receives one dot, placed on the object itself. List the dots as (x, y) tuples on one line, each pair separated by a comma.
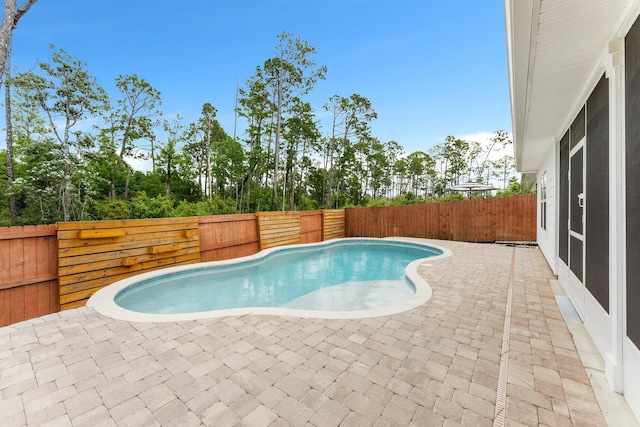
[(607, 293), (585, 140), (582, 231), (547, 236), (608, 296), (630, 295), (632, 167)]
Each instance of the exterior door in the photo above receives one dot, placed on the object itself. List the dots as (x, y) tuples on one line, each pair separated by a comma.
[(576, 226)]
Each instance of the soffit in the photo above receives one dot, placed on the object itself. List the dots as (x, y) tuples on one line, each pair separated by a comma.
[(564, 41)]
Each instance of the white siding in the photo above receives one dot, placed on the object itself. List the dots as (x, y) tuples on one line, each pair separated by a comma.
[(547, 239)]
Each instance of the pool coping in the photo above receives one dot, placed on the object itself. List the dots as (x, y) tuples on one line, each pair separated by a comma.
[(103, 300)]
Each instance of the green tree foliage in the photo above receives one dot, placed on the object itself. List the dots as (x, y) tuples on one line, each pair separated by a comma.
[(133, 119), (421, 172), (10, 19), (289, 75), (350, 123), (256, 107), (516, 187), (300, 133), (67, 93), (66, 170)]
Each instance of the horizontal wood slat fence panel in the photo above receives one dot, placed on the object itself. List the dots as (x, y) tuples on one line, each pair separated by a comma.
[(333, 224), (28, 272), (478, 220), (311, 226), (95, 254), (228, 236), (278, 228)]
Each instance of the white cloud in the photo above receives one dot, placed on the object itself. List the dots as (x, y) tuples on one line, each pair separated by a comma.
[(484, 138)]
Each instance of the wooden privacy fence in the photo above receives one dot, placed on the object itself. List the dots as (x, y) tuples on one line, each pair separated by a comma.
[(477, 220), (231, 236), (228, 236), (333, 224), (28, 273), (311, 226), (45, 268), (278, 228), (285, 228), (95, 254)]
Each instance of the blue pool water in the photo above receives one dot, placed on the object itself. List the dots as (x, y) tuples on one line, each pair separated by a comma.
[(345, 275)]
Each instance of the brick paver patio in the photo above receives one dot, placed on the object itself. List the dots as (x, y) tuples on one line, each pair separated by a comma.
[(438, 364)]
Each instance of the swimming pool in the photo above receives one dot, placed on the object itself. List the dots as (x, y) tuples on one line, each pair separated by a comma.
[(336, 279)]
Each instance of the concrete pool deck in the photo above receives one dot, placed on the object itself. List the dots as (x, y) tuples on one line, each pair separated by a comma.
[(438, 364)]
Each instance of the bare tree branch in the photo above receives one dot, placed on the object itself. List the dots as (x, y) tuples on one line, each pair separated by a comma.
[(21, 10), (12, 15)]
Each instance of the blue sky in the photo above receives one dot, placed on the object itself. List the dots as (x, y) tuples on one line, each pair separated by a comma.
[(430, 68)]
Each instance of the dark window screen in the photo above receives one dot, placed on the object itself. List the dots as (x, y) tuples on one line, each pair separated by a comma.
[(563, 182), (632, 162), (577, 128), (597, 191)]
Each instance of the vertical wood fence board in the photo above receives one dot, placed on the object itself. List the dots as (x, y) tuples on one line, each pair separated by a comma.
[(505, 214), (28, 270), (530, 221), (17, 258), (458, 223), (228, 236), (425, 220), (31, 301), (471, 217), (468, 218), (489, 222), (454, 223), (17, 304), (508, 218), (518, 226), (42, 298), (476, 220), (311, 226), (5, 261), (30, 256), (515, 218), (5, 307), (480, 221), (235, 251), (464, 223), (407, 222)]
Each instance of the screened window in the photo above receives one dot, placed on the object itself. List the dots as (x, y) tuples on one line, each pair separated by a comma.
[(543, 200)]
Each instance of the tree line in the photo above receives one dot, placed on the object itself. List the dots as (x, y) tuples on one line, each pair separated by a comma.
[(69, 142)]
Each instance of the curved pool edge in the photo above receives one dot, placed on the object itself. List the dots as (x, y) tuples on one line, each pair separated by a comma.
[(103, 301)]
